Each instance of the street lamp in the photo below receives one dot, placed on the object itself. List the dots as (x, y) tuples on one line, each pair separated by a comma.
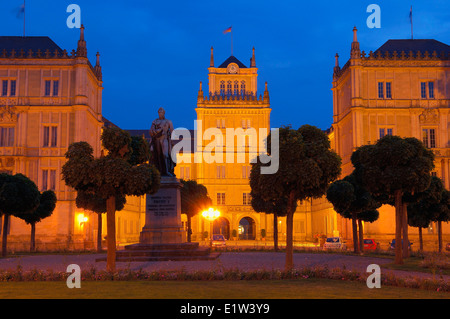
[(211, 214)]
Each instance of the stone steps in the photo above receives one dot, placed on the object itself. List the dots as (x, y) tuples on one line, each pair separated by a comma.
[(164, 252)]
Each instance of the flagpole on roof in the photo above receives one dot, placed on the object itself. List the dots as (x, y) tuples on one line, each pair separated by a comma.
[(411, 19), (231, 40), (24, 18)]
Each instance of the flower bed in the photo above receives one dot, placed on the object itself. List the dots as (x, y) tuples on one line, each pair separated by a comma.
[(224, 274)]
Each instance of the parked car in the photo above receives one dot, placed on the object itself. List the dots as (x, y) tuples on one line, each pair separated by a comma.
[(219, 240), (370, 244), (334, 243), (392, 244), (447, 247)]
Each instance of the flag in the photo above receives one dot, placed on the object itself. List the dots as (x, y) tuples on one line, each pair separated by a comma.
[(227, 30)]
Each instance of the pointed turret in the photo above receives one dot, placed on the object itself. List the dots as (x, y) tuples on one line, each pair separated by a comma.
[(336, 65), (81, 49), (266, 97), (98, 68), (211, 63), (252, 60), (355, 52)]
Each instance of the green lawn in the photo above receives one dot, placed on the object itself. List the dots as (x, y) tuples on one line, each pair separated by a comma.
[(414, 264), (265, 289)]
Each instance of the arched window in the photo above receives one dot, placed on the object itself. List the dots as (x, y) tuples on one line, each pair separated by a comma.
[(236, 87), (229, 87), (243, 87), (222, 87)]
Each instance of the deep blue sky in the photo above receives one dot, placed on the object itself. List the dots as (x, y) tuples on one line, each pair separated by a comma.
[(154, 53)]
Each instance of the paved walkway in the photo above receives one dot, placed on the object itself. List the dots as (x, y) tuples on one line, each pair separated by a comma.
[(227, 260)]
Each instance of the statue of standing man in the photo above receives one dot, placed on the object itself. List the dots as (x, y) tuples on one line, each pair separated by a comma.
[(161, 132)]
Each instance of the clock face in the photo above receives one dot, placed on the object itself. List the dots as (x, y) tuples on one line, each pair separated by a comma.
[(232, 68)]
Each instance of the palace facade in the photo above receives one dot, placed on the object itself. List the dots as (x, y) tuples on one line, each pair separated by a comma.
[(402, 88), (49, 99)]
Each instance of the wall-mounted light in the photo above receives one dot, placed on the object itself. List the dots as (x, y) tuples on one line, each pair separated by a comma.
[(82, 219)]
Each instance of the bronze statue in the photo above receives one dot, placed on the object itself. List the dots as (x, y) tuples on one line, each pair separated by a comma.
[(160, 132)]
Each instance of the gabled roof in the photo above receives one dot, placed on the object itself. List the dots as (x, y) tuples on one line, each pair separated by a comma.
[(18, 43), (231, 59), (421, 45)]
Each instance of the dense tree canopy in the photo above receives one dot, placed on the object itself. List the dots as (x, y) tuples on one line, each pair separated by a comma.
[(19, 196), (115, 175), (307, 166), (47, 204), (194, 199), (391, 168), (351, 200)]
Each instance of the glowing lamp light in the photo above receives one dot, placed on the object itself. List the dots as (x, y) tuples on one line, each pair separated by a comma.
[(211, 214), (82, 219)]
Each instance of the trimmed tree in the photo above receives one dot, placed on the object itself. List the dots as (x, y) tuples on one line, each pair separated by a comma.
[(391, 168), (18, 196), (110, 177), (47, 204), (95, 203), (307, 166), (278, 207), (194, 199), (351, 200)]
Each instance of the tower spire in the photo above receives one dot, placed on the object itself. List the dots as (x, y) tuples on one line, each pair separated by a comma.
[(252, 60), (81, 49), (211, 63), (355, 52)]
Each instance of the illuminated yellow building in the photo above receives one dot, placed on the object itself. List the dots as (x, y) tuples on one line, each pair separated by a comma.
[(231, 104), (49, 99), (403, 89)]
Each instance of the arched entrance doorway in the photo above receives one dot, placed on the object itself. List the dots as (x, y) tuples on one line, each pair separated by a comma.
[(222, 226), (247, 228)]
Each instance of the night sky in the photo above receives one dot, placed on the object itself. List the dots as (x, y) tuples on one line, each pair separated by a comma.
[(155, 53)]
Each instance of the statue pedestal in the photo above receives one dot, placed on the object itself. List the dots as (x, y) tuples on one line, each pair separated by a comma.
[(163, 215)]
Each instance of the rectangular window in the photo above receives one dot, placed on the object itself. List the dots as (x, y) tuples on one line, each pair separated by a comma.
[(7, 136), (382, 133), (12, 88), (388, 90), (220, 198), (385, 131), (4, 87), (423, 90), (431, 90), (50, 136), (54, 135), (246, 199), (429, 137), (48, 179), (47, 88), (389, 131), (55, 88), (45, 179), (380, 90), (220, 171)]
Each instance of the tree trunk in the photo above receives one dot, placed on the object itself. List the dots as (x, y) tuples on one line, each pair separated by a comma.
[(99, 233), (275, 231), (189, 229), (355, 233), (33, 238), (405, 244), (420, 239), (289, 229), (398, 228), (361, 236), (440, 235), (111, 236), (5, 234)]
